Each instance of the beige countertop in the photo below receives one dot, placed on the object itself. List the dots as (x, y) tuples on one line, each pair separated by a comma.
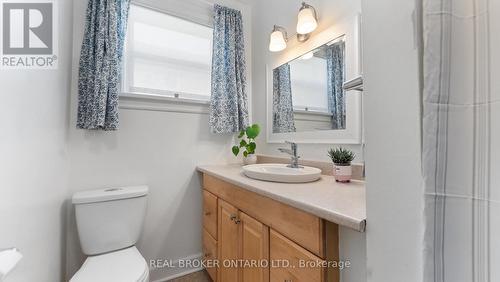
[(340, 203)]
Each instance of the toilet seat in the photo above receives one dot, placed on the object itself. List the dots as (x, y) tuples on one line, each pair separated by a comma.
[(125, 265)]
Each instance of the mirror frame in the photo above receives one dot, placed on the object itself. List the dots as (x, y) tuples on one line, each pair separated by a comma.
[(353, 132)]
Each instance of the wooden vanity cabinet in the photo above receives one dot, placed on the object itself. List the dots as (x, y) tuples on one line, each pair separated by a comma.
[(259, 239)]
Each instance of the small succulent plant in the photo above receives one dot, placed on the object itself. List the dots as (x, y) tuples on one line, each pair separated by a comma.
[(248, 143), (341, 156)]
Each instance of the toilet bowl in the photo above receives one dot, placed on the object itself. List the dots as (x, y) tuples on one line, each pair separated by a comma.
[(126, 265), (109, 223)]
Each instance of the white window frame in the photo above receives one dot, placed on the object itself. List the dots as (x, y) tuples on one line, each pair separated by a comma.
[(300, 108)]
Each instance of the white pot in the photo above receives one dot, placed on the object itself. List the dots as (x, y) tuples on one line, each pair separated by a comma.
[(250, 159), (342, 172)]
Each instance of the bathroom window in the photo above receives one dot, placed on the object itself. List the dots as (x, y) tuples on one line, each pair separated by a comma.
[(167, 55)]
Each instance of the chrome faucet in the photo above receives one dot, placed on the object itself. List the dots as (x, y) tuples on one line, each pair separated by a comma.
[(293, 153)]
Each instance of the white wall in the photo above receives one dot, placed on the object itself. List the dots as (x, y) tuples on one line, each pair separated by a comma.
[(392, 132), (284, 13), (33, 170), (158, 148)]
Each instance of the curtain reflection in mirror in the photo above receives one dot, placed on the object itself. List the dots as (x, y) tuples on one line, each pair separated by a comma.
[(283, 120), (335, 78)]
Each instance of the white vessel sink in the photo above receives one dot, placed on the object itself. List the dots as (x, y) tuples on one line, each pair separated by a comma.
[(282, 173)]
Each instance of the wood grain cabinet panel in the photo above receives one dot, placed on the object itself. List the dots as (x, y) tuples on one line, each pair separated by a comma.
[(254, 249), (228, 244), (210, 254), (292, 262), (210, 213)]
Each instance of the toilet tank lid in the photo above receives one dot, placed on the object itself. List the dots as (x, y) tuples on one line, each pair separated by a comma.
[(109, 194)]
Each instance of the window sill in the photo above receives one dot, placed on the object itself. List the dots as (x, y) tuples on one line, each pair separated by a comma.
[(316, 113), (152, 102)]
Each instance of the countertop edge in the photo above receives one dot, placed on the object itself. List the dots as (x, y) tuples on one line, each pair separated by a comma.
[(340, 219)]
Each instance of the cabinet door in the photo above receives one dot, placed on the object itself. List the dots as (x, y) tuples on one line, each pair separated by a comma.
[(227, 241), (254, 238), (292, 262)]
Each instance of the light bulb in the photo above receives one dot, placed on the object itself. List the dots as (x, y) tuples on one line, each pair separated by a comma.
[(306, 20), (277, 41)]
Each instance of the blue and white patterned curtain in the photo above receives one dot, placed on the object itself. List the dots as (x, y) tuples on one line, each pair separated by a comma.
[(283, 119), (335, 78), (461, 137), (228, 103), (100, 64)]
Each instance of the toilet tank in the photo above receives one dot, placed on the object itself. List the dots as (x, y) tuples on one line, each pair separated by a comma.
[(110, 219)]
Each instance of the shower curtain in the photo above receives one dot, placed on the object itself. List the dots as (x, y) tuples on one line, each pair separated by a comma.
[(283, 120), (335, 78), (461, 140)]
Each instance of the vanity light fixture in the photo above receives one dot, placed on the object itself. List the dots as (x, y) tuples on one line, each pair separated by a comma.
[(278, 39), (307, 21)]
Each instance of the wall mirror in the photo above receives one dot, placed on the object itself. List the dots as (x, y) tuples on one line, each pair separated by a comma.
[(307, 91), (305, 99)]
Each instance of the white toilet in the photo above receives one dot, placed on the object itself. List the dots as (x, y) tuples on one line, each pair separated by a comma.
[(109, 224)]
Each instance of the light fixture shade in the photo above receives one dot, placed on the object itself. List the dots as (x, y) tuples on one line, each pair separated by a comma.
[(277, 41), (306, 22)]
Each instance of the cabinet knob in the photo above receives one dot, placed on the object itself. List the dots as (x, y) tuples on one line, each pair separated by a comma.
[(288, 280), (208, 213), (237, 221), (233, 217)]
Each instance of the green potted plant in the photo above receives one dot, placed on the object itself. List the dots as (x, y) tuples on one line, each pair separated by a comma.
[(341, 158), (247, 144)]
